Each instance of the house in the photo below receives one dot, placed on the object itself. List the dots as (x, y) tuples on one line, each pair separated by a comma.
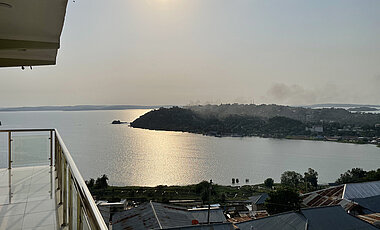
[(108, 209), (258, 201), (154, 215), (320, 218), (315, 129), (357, 198)]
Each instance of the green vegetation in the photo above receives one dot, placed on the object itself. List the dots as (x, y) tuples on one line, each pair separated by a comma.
[(291, 182), (264, 120), (294, 180), (282, 200), (101, 182), (356, 175), (291, 179), (163, 193), (179, 119), (269, 182), (311, 178)]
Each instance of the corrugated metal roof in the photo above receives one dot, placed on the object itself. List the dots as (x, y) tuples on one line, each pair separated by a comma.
[(370, 203), (239, 219), (370, 218), (362, 190), (324, 197), (285, 221), (156, 215), (259, 199), (320, 218), (333, 217), (224, 226), (216, 215), (141, 217)]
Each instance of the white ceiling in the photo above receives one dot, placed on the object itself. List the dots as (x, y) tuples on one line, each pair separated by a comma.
[(32, 27)]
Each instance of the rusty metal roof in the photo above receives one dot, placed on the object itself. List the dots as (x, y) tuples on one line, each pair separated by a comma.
[(326, 197), (370, 218), (239, 219), (365, 194)]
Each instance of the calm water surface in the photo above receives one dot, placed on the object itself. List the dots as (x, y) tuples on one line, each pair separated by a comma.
[(143, 157)]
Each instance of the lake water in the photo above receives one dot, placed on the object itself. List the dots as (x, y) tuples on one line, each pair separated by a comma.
[(143, 157)]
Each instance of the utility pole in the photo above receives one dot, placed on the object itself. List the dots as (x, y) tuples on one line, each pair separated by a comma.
[(209, 202)]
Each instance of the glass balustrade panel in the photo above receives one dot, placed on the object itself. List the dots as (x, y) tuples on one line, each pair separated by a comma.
[(30, 150)]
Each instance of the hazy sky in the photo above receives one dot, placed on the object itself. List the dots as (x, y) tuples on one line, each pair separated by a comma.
[(199, 51)]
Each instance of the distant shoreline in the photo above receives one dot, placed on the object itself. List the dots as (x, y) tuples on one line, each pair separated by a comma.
[(79, 108), (272, 121), (124, 107)]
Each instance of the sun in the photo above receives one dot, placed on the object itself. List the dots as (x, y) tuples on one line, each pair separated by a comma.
[(161, 3)]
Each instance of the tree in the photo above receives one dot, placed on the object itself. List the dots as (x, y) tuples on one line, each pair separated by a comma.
[(223, 198), (283, 200), (269, 182), (90, 183), (101, 182), (203, 189), (352, 176), (291, 179), (311, 178)]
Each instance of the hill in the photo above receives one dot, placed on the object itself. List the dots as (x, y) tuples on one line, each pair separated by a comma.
[(260, 120)]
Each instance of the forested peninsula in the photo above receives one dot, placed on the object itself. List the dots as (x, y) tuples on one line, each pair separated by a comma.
[(265, 121)]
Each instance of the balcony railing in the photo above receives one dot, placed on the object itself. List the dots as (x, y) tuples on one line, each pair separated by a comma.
[(75, 207)]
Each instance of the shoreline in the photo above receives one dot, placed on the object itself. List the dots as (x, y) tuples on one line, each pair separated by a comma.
[(356, 141)]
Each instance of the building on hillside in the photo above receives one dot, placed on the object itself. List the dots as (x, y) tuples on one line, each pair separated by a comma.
[(315, 129), (320, 218)]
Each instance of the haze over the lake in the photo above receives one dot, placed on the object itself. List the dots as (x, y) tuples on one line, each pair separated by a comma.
[(197, 51)]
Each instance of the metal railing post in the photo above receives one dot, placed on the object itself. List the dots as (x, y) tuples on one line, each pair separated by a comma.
[(79, 213), (51, 148), (59, 174), (64, 205), (68, 179), (9, 150), (70, 200)]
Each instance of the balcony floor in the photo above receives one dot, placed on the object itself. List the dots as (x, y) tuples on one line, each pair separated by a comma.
[(27, 198)]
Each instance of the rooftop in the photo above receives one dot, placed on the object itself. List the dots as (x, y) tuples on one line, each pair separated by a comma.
[(320, 218), (362, 190), (259, 199), (365, 194), (153, 215)]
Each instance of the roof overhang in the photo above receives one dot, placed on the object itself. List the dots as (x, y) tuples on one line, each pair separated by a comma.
[(30, 31)]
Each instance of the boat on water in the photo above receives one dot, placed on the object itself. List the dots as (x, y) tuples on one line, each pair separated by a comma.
[(117, 122)]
